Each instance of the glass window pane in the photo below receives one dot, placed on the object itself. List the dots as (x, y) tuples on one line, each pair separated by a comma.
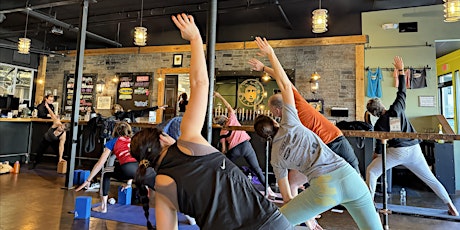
[(6, 80)]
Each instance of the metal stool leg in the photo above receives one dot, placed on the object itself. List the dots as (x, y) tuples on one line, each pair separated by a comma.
[(385, 210)]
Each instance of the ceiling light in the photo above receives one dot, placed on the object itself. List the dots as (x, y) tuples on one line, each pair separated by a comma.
[(24, 43), (140, 33), (451, 10), (319, 20)]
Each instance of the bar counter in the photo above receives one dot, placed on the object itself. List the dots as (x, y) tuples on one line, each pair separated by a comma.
[(21, 136)]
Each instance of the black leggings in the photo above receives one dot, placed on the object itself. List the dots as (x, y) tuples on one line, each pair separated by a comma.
[(126, 171), (43, 147), (342, 147), (244, 149)]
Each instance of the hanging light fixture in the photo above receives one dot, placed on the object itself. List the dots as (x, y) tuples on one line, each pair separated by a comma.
[(451, 10), (140, 33), (24, 43), (314, 82), (319, 20)]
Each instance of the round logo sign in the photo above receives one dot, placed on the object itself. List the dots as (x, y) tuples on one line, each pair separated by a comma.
[(250, 92)]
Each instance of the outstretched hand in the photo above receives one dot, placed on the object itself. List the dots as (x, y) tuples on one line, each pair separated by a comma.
[(186, 24), (256, 64), (398, 63), (265, 48), (84, 185)]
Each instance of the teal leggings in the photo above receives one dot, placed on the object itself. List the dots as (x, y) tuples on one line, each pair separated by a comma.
[(343, 186)]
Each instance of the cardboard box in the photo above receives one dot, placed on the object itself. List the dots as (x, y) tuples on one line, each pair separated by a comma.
[(62, 167)]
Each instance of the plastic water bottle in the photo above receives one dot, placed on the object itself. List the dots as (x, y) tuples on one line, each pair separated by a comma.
[(250, 177), (402, 196), (112, 201)]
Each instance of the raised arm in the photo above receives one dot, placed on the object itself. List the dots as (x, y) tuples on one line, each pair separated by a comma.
[(193, 119), (259, 66), (56, 120), (280, 76), (227, 105), (400, 102)]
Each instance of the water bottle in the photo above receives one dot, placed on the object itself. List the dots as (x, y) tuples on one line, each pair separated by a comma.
[(16, 167), (250, 177), (402, 196), (112, 201)]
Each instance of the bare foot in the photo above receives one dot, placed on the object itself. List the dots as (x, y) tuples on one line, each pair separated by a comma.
[(99, 209), (313, 224), (452, 210)]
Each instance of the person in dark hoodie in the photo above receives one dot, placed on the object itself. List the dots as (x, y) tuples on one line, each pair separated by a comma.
[(401, 151)]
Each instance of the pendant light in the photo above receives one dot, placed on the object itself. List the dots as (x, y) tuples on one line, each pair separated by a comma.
[(140, 33), (24, 43), (451, 10), (319, 20)]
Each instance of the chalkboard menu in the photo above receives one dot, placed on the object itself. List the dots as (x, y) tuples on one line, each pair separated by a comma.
[(87, 92), (133, 90)]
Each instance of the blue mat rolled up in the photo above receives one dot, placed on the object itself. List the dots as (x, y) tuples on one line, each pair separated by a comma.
[(134, 214)]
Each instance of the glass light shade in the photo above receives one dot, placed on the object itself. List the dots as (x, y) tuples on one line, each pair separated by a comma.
[(319, 21), (140, 36), (266, 77), (23, 45), (315, 76), (314, 86), (100, 86), (451, 10)]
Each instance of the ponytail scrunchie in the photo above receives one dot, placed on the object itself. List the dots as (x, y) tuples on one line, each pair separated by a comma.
[(145, 163)]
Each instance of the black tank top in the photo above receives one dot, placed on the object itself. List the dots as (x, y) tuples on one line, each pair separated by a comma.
[(49, 135), (215, 192)]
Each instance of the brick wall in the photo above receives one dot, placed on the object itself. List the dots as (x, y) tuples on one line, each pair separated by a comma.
[(335, 64)]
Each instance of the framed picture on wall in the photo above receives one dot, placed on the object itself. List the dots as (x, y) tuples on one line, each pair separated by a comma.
[(318, 104), (177, 60)]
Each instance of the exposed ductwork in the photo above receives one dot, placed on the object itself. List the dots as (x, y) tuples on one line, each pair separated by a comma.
[(68, 26)]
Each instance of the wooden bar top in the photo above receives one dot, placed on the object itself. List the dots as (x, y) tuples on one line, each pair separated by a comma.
[(81, 122), (372, 134)]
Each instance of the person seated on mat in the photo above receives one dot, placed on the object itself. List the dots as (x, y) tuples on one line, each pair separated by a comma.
[(192, 176), (54, 137), (238, 142), (401, 151), (332, 180), (125, 170)]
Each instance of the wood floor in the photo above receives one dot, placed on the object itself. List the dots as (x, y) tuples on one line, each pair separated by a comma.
[(35, 199)]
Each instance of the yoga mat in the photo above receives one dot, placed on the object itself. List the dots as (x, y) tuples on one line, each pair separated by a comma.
[(134, 214), (426, 212)]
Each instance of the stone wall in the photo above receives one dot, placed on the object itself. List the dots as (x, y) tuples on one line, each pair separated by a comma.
[(335, 64)]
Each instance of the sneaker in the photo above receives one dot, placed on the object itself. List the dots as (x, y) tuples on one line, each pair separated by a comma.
[(94, 186)]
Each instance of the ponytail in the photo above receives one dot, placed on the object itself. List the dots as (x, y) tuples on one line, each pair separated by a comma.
[(145, 148), (143, 190)]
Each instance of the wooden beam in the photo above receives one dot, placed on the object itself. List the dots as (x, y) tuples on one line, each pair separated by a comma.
[(359, 83), (40, 83), (339, 40), (370, 134)]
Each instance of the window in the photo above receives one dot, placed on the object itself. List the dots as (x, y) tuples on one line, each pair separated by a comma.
[(446, 98), (17, 81)]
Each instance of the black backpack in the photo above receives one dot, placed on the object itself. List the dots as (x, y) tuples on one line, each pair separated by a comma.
[(355, 125)]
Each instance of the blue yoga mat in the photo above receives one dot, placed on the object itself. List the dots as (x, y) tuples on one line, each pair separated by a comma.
[(427, 212), (134, 214)]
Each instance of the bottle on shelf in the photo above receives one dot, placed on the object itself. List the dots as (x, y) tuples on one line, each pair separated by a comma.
[(402, 196), (440, 141)]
